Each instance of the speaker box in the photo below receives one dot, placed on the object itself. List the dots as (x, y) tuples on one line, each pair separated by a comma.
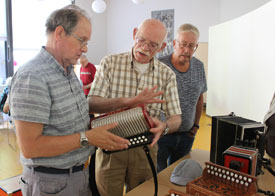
[(226, 130)]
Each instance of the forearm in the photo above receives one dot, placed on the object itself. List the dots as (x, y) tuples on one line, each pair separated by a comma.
[(173, 123), (49, 146), (34, 144), (103, 105), (6, 108), (199, 108)]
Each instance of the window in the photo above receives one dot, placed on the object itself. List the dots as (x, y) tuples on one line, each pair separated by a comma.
[(29, 32), (3, 41), (22, 38)]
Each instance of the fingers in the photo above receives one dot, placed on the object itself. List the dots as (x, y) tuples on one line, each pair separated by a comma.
[(157, 130), (155, 139), (102, 138), (118, 143)]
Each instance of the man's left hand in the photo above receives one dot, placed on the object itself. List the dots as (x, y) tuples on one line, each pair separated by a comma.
[(193, 131), (157, 130)]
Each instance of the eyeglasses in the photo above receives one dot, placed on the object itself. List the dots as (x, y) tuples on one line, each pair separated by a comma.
[(82, 42), (151, 45), (191, 47)]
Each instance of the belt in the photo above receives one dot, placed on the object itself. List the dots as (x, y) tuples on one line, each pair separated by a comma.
[(51, 170)]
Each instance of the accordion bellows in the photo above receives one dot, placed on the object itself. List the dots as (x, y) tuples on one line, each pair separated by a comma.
[(130, 122), (133, 124)]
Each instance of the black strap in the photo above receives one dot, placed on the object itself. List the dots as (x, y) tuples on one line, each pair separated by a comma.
[(269, 169), (145, 148), (266, 192)]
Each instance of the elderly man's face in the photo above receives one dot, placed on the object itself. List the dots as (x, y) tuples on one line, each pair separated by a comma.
[(148, 41), (74, 44), (184, 46)]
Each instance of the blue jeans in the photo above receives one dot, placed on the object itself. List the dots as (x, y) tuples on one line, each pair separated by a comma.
[(172, 147)]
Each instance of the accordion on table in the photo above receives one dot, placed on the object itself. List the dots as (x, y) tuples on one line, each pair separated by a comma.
[(133, 124), (222, 181)]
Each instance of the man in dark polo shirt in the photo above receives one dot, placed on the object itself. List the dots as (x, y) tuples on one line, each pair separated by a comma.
[(191, 83)]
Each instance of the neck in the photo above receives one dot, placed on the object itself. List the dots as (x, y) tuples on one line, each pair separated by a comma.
[(182, 67), (51, 49)]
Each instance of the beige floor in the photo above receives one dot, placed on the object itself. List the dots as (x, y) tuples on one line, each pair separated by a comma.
[(9, 151)]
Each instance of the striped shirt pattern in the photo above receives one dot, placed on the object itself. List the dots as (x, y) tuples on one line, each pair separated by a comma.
[(42, 92), (118, 77)]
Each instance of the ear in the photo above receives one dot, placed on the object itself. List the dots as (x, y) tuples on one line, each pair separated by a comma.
[(162, 47), (134, 33), (197, 45), (174, 43), (59, 32)]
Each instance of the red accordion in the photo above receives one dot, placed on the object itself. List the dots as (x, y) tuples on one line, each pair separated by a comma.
[(133, 124)]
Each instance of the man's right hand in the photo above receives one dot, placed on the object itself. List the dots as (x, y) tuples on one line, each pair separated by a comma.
[(102, 138)]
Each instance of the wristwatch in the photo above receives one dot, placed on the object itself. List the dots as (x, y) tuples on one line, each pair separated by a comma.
[(165, 132), (196, 125), (83, 139)]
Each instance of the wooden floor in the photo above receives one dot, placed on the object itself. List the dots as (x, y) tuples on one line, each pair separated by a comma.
[(9, 151)]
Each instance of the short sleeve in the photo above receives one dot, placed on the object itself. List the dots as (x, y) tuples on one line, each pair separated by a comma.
[(29, 98)]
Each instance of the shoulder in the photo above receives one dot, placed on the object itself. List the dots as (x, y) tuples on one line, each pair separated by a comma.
[(33, 68), (116, 60), (117, 56), (196, 61), (165, 68), (91, 66), (165, 59)]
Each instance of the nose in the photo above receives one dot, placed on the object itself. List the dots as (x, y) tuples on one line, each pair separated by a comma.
[(186, 50), (84, 48), (146, 46)]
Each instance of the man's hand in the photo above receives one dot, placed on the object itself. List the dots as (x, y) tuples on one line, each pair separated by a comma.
[(157, 130), (146, 96), (193, 131), (102, 138)]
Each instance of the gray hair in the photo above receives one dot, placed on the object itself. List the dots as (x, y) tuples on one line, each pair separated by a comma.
[(67, 17), (189, 28)]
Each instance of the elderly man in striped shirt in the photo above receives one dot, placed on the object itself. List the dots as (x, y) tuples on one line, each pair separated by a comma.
[(51, 115)]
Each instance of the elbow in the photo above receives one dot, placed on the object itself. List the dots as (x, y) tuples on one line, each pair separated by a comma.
[(179, 120), (28, 153)]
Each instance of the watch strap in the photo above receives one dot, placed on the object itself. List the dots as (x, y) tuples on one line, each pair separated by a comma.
[(196, 125), (83, 139), (166, 130)]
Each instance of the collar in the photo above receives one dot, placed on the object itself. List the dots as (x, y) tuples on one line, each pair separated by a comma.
[(151, 65), (52, 62)]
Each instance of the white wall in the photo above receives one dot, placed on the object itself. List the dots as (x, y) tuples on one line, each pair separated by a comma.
[(230, 9), (97, 48), (124, 15), (241, 65), (112, 30)]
